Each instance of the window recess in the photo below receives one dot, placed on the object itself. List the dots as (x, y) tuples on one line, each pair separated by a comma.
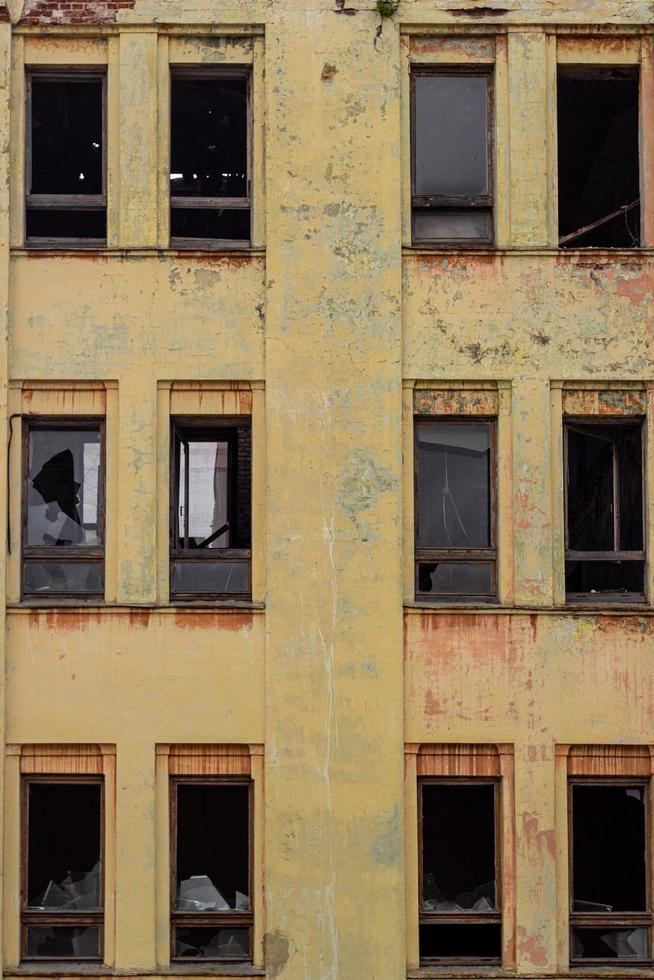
[(610, 916), (66, 195), (62, 891), (63, 509), (598, 150), (455, 522), (604, 552), (460, 902), (211, 887), (211, 508), (210, 158), (452, 156)]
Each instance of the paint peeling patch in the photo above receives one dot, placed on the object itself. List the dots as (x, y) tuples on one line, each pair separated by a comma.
[(328, 72), (479, 11), (277, 952), (74, 11), (540, 840), (531, 948), (635, 289), (219, 620), (363, 484), (385, 848)]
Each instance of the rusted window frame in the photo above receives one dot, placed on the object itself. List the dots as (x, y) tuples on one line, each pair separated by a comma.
[(74, 553), (202, 73), (609, 598), (612, 920), (64, 202), (31, 917), (177, 553), (444, 202), (216, 919), (484, 556), (461, 918)]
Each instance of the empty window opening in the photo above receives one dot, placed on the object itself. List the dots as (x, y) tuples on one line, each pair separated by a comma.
[(610, 916), (64, 510), (66, 192), (599, 192), (452, 195), (212, 905), (605, 555), (460, 914), (455, 491), (209, 158), (211, 520), (62, 870)]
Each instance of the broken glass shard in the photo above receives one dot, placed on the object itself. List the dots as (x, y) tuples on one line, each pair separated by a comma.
[(200, 894)]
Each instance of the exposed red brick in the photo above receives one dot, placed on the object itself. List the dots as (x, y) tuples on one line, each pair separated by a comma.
[(74, 11)]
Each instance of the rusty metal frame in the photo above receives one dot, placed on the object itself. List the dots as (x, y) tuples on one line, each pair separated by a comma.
[(215, 920), (482, 556), (179, 552), (611, 920), (202, 73), (571, 423), (32, 917), (442, 202), (64, 202), (463, 918), (75, 553)]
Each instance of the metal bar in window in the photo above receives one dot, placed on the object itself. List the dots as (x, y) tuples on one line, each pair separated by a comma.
[(187, 486), (605, 555), (208, 203), (67, 202)]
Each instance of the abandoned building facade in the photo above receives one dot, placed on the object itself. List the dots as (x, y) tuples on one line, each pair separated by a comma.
[(327, 372)]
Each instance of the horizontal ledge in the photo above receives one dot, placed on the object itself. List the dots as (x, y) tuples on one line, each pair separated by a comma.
[(592, 254), (215, 970), (206, 608), (127, 251), (596, 609)]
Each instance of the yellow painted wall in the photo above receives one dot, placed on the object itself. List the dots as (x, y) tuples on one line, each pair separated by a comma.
[(325, 321)]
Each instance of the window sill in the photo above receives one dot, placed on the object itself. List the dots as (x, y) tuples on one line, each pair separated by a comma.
[(571, 609), (145, 251), (633, 971), (63, 969), (450, 970), (593, 255), (72, 606)]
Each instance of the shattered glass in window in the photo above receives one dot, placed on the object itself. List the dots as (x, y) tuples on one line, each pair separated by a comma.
[(206, 524), (605, 943), (455, 578), (208, 942), (63, 578), (70, 942), (63, 487)]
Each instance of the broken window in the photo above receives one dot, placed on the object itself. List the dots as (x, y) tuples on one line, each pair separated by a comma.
[(455, 506), (212, 880), (209, 158), (63, 514), (62, 886), (211, 509), (66, 198), (609, 914), (599, 192), (452, 186), (460, 915), (604, 558)]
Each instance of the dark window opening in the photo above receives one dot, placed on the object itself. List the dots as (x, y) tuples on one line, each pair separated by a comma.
[(211, 515), (604, 555), (66, 191), (63, 523), (452, 171), (460, 913), (610, 916), (455, 492), (211, 894), (599, 182), (62, 893), (209, 158)]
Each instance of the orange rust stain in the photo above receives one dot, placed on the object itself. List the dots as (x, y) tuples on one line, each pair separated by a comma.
[(213, 621), (432, 706), (54, 619), (531, 947), (139, 619), (542, 840), (635, 289)]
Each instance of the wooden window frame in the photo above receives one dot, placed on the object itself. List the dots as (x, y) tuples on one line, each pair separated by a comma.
[(74, 553), (202, 73), (485, 556), (570, 422), (463, 918), (30, 917), (214, 919), (444, 202), (177, 553), (611, 920), (64, 202)]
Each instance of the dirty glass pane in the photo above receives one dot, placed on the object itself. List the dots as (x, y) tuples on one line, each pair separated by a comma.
[(606, 943), (455, 578), (464, 941), (59, 223), (210, 943), (431, 225), (66, 136), (454, 507), (208, 137), (57, 942), (451, 135), (211, 576), (64, 853), (609, 847), (219, 223), (458, 848), (598, 578), (60, 578), (213, 864), (64, 482)]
